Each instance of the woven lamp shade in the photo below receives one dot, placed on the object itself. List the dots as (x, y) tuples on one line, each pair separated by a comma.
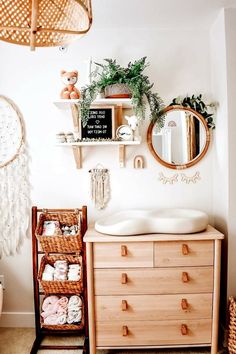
[(44, 23)]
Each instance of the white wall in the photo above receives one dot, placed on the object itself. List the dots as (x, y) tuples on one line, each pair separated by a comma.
[(221, 148), (223, 64), (230, 30), (32, 80)]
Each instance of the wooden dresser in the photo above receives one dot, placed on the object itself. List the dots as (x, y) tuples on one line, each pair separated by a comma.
[(153, 290)]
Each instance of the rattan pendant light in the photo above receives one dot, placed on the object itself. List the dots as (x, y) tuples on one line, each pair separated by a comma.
[(44, 23)]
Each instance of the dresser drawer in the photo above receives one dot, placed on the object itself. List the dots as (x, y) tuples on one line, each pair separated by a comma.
[(153, 307), (153, 281), (186, 253), (123, 255), (137, 333)]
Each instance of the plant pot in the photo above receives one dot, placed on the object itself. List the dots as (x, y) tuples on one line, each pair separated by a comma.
[(117, 91)]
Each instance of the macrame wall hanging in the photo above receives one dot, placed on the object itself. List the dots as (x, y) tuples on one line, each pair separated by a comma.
[(14, 183), (100, 186)]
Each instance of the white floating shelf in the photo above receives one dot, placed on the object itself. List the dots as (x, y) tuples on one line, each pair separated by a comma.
[(124, 102), (97, 143), (77, 149)]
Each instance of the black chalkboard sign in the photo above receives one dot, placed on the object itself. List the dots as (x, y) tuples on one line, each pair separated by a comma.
[(100, 123)]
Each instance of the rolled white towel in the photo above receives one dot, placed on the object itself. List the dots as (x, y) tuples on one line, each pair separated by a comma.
[(74, 316), (51, 320), (75, 301), (61, 320), (49, 300)]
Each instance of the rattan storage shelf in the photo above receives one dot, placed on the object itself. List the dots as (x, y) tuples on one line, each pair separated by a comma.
[(48, 249)]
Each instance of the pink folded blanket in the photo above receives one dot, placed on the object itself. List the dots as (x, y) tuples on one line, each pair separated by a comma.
[(53, 305), (55, 319), (50, 300), (60, 310)]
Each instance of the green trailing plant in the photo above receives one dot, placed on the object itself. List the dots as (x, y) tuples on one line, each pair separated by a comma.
[(109, 73), (196, 103)]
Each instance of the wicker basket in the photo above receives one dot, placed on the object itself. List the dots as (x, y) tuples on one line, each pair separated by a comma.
[(66, 326), (60, 243), (61, 287), (232, 326)]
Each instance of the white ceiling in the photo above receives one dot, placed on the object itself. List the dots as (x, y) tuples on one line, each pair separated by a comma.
[(184, 14)]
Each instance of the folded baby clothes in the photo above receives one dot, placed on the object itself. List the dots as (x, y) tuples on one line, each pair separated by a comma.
[(50, 306), (74, 272), (48, 273), (61, 269), (70, 230), (51, 228), (74, 316), (55, 310), (61, 310), (62, 319), (74, 309), (49, 300), (75, 302), (55, 319), (51, 319)]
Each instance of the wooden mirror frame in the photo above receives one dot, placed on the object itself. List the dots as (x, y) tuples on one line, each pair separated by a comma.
[(190, 163)]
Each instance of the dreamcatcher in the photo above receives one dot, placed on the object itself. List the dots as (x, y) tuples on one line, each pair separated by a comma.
[(14, 183)]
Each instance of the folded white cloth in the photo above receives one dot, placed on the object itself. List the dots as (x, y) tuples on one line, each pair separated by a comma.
[(74, 302), (49, 269), (74, 316), (47, 276), (62, 319), (48, 273)]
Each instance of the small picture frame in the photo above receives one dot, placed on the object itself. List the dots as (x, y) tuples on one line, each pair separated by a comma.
[(101, 123)]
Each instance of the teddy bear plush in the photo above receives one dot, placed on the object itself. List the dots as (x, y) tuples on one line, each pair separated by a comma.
[(69, 78)]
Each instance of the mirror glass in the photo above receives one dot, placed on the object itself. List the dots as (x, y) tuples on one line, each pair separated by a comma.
[(183, 139)]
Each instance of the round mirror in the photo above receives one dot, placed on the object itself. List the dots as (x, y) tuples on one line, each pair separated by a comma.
[(11, 131), (183, 141)]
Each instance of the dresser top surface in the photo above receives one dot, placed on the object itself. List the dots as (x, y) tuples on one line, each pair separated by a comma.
[(210, 233)]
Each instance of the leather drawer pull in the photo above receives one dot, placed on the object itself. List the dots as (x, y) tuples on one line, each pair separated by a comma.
[(185, 250), (124, 278), (123, 250), (184, 329), (185, 277), (124, 331), (184, 304)]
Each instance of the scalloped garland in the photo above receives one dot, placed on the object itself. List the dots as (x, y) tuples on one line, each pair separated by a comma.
[(193, 179), (165, 180)]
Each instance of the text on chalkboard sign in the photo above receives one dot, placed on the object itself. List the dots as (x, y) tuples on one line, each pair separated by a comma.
[(100, 123)]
